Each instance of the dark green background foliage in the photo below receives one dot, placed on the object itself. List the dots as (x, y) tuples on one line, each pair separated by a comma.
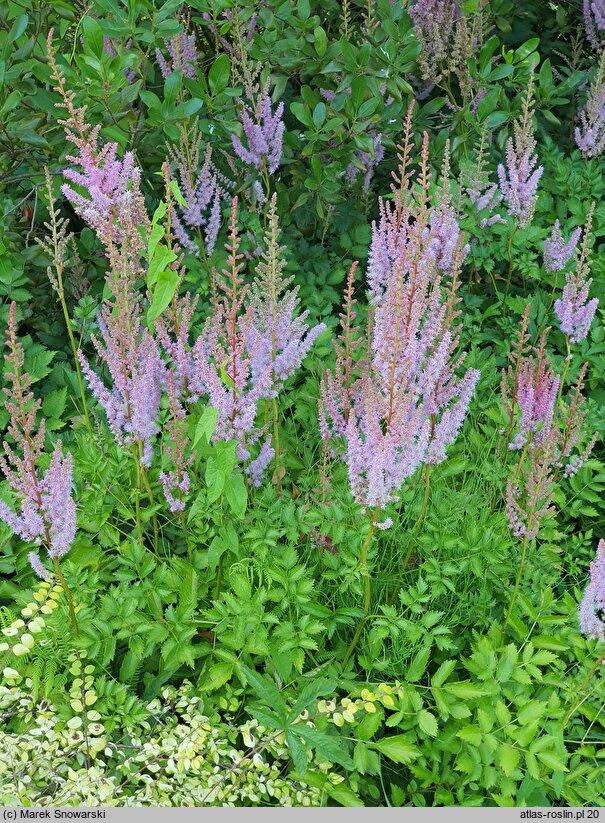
[(241, 599)]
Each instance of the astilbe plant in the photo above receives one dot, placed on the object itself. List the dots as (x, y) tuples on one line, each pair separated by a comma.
[(47, 513), (557, 252), (263, 130), (183, 56), (277, 337), (406, 404), (520, 176), (592, 607), (574, 310), (108, 195), (549, 430), (203, 188), (133, 361), (222, 366), (590, 134), (176, 481), (594, 22)]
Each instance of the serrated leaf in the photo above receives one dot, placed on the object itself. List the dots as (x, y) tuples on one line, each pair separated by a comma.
[(311, 692), (428, 723), (418, 665), (508, 758), (266, 690), (553, 761), (397, 748), (329, 747)]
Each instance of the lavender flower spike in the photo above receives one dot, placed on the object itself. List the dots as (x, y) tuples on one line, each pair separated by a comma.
[(594, 22), (590, 135), (593, 602), (556, 252), (47, 512), (183, 56), (519, 179), (574, 310), (264, 132)]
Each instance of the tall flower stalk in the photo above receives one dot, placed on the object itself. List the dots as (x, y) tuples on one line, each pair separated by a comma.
[(47, 515), (407, 403), (55, 245)]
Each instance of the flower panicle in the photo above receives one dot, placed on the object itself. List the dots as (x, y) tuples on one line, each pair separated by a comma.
[(592, 608), (520, 176), (46, 512), (574, 310)]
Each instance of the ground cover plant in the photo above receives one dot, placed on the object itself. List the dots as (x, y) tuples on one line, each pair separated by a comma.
[(303, 403)]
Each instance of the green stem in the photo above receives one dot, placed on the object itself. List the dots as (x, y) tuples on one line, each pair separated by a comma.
[(145, 476), (67, 590), (276, 443), (74, 350), (137, 501), (599, 662), (517, 584), (423, 508), (363, 559), (564, 375), (510, 267)]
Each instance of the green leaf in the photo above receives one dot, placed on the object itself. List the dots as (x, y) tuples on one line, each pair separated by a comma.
[(329, 747), (93, 37), (443, 672), (508, 758), (218, 76), (301, 112), (370, 724), (418, 665), (53, 404), (321, 41), (178, 196), (215, 480), (397, 748), (309, 695), (172, 87), (236, 494), (205, 425), (553, 761), (297, 752), (165, 288), (319, 114), (428, 723), (217, 675), (358, 91), (464, 689), (266, 690), (342, 794)]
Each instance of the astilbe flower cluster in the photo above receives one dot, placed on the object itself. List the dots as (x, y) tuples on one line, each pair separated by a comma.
[(574, 310), (549, 430), (222, 363), (536, 395), (264, 132), (407, 404), (590, 134), (594, 22), (434, 24), (132, 358), (366, 162), (520, 176), (484, 195), (108, 197), (530, 492), (573, 416), (414, 237), (277, 338), (176, 481), (592, 607), (557, 252), (203, 188), (183, 56), (47, 512)]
